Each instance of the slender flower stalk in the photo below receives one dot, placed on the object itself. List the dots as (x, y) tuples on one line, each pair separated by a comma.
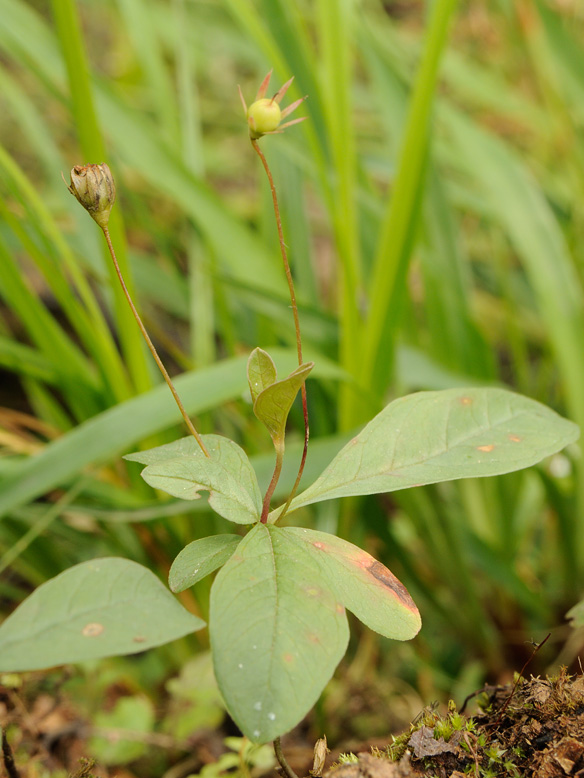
[(163, 370), (263, 117), (288, 272), (94, 188)]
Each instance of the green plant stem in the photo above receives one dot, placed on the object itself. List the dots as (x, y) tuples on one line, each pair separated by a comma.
[(277, 470), (188, 422), (288, 771)]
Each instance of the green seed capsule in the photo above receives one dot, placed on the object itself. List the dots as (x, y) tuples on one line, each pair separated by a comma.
[(263, 116)]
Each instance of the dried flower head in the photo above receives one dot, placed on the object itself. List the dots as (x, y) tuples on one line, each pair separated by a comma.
[(320, 752), (264, 114), (94, 187)]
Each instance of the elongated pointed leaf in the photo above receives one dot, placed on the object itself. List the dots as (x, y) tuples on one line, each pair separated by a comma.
[(273, 404), (199, 559), (277, 632), (105, 607), (182, 470), (109, 433), (365, 586), (261, 372), (440, 436)]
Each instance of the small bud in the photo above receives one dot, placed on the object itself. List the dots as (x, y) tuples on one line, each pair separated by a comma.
[(263, 116), (93, 186)]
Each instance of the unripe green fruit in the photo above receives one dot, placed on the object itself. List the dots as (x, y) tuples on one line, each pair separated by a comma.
[(263, 116)]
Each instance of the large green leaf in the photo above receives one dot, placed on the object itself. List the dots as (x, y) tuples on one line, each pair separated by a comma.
[(199, 559), (105, 607), (182, 470), (277, 632), (429, 437), (365, 586)]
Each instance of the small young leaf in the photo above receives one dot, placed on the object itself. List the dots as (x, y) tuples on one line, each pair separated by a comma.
[(182, 470), (429, 437), (277, 632), (105, 607), (272, 405), (261, 372), (199, 559), (365, 586)]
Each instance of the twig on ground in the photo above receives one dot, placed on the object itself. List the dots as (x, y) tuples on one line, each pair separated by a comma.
[(9, 764)]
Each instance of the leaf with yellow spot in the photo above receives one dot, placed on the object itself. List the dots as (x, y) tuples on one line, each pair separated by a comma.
[(429, 437), (105, 607)]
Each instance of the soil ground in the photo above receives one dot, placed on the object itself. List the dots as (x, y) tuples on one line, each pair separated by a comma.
[(534, 729)]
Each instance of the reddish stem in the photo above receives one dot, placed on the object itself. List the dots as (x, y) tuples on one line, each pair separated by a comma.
[(272, 486), (277, 469)]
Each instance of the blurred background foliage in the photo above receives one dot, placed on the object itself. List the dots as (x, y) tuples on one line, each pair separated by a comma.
[(432, 205)]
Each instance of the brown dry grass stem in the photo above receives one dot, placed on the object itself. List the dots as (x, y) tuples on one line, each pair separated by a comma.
[(188, 422)]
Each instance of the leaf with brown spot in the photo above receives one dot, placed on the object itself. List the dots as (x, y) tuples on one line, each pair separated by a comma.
[(93, 610), (430, 437), (365, 586)]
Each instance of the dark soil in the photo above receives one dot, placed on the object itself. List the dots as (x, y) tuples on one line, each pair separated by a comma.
[(536, 730), (532, 730)]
